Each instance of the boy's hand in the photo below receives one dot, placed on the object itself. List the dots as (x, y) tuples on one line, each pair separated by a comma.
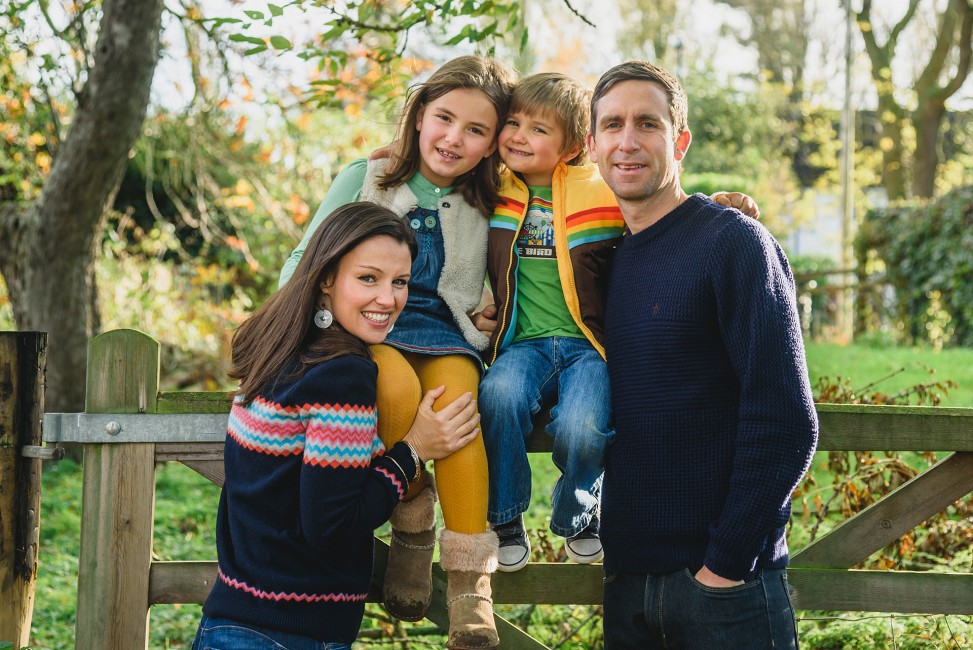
[(738, 200), (486, 320)]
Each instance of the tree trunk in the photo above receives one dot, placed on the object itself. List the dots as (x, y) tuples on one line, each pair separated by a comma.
[(54, 242), (926, 121), (894, 173)]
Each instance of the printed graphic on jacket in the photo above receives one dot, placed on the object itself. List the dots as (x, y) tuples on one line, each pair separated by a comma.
[(536, 238)]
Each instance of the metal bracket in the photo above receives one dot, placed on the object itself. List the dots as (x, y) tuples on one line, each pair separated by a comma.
[(97, 428), (44, 453)]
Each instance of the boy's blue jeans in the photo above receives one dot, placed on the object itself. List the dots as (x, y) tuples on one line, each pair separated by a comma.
[(674, 611), (525, 376)]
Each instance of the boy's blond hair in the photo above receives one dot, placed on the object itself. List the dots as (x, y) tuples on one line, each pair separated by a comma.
[(561, 98)]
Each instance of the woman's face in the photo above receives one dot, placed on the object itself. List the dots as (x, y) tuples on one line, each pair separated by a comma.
[(370, 288)]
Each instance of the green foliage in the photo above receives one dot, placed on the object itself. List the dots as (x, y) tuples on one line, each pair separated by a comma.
[(205, 217), (745, 134), (894, 370), (820, 632), (709, 183), (814, 295), (358, 38), (926, 252), (736, 131), (27, 133)]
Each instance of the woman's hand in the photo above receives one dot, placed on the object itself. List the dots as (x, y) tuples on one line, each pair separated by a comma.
[(437, 434), (738, 200)]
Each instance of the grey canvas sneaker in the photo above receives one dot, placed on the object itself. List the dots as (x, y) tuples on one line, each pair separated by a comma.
[(585, 547), (514, 545)]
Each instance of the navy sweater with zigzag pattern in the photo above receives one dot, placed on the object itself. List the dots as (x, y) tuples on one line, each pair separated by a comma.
[(714, 419), (307, 483)]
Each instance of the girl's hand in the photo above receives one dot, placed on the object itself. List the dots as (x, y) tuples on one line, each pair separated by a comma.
[(486, 320), (437, 434), (738, 200)]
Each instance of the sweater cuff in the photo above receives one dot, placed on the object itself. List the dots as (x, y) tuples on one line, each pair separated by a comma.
[(726, 564)]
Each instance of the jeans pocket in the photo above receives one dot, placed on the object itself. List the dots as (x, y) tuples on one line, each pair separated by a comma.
[(699, 616), (722, 590)]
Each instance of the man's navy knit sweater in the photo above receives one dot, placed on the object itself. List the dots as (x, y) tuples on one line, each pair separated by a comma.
[(715, 423), (307, 483)]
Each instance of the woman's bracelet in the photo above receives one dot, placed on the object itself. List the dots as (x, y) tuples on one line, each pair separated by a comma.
[(416, 460), (401, 470)]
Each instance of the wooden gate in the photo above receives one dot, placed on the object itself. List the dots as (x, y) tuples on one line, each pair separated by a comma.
[(129, 425)]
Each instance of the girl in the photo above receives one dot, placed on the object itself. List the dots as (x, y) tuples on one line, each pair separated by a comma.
[(307, 479), (442, 178)]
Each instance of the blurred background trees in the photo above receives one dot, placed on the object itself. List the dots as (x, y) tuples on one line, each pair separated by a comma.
[(158, 160)]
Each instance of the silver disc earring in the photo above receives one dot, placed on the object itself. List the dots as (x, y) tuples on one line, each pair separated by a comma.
[(323, 318)]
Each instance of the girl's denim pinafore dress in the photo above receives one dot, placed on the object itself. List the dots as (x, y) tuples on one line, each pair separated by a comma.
[(426, 325)]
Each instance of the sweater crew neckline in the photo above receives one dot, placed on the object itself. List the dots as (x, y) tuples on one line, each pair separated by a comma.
[(692, 203)]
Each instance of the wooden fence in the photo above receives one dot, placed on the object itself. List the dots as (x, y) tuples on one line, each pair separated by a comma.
[(129, 426)]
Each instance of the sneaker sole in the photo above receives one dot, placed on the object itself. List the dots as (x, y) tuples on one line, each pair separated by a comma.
[(510, 568), (584, 559)]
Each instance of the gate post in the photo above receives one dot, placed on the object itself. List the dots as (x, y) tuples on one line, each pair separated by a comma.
[(118, 498), (23, 362)]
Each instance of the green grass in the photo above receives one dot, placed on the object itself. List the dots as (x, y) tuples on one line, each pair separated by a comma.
[(864, 366), (186, 506)]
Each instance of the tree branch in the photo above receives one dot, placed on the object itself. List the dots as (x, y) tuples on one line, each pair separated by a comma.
[(944, 43), (965, 48), (906, 19), (577, 13)]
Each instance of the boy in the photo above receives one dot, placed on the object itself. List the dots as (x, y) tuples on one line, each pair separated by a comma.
[(551, 239)]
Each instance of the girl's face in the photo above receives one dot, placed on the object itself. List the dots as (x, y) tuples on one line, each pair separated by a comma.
[(370, 288), (456, 132)]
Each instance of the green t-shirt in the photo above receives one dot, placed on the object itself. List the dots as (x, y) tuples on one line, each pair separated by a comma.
[(541, 310)]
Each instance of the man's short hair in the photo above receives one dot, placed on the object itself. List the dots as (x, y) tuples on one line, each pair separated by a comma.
[(645, 71), (560, 98)]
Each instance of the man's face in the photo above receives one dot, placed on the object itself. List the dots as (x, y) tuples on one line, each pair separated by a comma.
[(633, 142)]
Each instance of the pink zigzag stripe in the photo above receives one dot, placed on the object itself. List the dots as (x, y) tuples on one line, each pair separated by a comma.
[(395, 481), (310, 598)]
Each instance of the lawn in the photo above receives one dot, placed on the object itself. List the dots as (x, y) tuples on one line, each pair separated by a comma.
[(891, 370), (186, 505)]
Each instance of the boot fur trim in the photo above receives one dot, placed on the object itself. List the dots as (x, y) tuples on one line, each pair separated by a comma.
[(475, 553), (419, 514)]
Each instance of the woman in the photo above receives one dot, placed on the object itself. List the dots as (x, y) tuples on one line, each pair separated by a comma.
[(307, 478)]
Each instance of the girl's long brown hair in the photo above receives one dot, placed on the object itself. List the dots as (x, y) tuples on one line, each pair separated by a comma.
[(479, 186), (279, 340)]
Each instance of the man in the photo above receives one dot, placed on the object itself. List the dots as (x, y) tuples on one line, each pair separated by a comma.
[(715, 423)]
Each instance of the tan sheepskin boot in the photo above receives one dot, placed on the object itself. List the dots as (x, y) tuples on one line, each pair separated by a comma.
[(469, 560), (408, 578)]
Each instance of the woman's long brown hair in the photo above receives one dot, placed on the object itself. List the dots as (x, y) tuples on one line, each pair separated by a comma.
[(279, 340)]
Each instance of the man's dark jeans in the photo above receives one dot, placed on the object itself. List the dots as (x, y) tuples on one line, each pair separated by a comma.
[(674, 611)]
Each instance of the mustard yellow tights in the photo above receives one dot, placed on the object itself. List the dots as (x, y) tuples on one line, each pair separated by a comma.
[(462, 478)]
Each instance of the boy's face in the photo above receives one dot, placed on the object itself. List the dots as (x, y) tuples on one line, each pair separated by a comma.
[(531, 145)]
